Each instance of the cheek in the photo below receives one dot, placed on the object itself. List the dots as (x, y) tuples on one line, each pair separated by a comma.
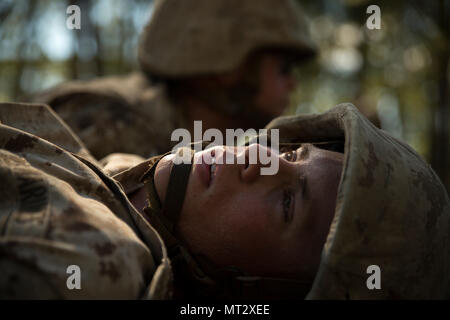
[(220, 218), (272, 85), (273, 96), (228, 230), (324, 200)]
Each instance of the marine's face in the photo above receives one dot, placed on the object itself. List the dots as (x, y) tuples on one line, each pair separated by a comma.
[(276, 82), (264, 225)]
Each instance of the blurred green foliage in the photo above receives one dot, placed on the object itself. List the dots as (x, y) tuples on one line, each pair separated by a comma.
[(397, 75)]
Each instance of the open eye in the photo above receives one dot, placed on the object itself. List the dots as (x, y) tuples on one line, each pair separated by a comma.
[(290, 155)]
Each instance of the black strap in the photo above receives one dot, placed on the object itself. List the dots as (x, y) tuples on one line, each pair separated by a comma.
[(176, 191)]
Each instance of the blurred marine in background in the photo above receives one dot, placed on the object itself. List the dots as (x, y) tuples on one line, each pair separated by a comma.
[(225, 62)]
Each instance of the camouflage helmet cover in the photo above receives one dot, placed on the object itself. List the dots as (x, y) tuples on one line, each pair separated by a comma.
[(392, 211), (185, 37)]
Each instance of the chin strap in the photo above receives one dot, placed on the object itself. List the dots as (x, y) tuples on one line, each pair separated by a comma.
[(197, 276), (165, 218)]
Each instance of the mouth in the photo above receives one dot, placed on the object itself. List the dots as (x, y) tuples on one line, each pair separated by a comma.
[(207, 172), (212, 168)]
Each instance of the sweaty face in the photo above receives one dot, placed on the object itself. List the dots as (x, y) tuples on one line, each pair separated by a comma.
[(266, 225)]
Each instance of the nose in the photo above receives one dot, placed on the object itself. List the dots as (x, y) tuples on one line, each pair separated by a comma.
[(256, 156)]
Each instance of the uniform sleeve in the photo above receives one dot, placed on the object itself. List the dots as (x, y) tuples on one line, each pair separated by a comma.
[(56, 221)]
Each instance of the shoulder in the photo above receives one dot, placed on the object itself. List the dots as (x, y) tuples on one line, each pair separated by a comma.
[(60, 210)]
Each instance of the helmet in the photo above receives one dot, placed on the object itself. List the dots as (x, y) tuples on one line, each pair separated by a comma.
[(392, 212), (191, 37)]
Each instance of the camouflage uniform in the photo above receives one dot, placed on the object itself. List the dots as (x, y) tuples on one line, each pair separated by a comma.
[(116, 114), (128, 114), (57, 209)]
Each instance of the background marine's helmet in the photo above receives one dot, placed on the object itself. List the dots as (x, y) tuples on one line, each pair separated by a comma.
[(185, 38)]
